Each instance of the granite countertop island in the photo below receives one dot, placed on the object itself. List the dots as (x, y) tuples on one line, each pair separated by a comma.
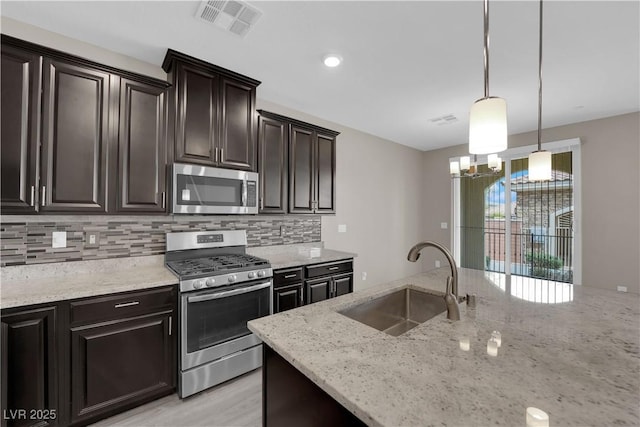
[(570, 351)]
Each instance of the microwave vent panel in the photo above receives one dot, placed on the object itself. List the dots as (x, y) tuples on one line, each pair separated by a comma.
[(234, 16)]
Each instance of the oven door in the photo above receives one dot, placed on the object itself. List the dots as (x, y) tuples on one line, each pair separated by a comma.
[(214, 322), (202, 189)]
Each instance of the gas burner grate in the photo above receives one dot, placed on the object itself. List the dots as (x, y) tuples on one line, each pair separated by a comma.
[(215, 264)]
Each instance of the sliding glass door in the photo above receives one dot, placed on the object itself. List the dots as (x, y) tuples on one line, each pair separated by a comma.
[(505, 223)]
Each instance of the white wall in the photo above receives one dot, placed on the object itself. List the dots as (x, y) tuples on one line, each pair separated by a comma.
[(379, 191)]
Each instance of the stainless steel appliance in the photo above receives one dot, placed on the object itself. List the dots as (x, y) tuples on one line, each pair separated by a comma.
[(221, 289), (207, 190)]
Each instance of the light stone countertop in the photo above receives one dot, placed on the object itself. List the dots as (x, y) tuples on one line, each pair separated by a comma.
[(42, 283), (577, 360), (45, 283), (287, 256)]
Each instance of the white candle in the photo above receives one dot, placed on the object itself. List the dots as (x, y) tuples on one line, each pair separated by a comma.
[(454, 168), (537, 417), (492, 348), (465, 163), (497, 337), (465, 345), (499, 164)]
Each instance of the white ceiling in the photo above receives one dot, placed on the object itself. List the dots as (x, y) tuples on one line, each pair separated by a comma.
[(405, 63)]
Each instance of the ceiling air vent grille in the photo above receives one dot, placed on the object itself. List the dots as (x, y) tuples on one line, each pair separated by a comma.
[(448, 119), (234, 16)]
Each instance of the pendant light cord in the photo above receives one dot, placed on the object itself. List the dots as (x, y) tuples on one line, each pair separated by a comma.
[(486, 48), (540, 83)]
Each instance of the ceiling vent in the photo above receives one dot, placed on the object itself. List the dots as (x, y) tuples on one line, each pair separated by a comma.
[(234, 16), (449, 119)]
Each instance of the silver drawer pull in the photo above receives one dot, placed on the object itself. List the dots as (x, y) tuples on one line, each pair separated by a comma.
[(289, 276), (333, 268), (33, 196), (127, 304)]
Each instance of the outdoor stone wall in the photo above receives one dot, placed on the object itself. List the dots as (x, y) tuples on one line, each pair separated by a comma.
[(534, 207)]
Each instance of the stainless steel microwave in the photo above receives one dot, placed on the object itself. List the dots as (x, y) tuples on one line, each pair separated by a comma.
[(208, 190)]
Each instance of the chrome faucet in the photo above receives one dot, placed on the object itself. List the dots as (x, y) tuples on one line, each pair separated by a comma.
[(451, 295)]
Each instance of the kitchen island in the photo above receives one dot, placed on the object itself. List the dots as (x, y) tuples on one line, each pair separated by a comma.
[(570, 351)]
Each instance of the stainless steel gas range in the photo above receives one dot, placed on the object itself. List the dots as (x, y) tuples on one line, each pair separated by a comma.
[(221, 289)]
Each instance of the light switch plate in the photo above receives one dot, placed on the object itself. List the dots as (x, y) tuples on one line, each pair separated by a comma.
[(59, 239), (444, 225), (342, 228), (92, 239)]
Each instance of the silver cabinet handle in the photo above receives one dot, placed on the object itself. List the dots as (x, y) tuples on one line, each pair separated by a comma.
[(221, 155), (43, 200), (225, 294), (127, 304), (164, 200), (33, 195), (170, 326), (301, 300), (333, 268), (261, 203), (289, 276)]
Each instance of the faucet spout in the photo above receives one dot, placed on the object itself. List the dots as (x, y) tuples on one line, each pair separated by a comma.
[(414, 254)]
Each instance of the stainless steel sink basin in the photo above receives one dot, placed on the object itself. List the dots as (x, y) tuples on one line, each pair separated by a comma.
[(397, 312)]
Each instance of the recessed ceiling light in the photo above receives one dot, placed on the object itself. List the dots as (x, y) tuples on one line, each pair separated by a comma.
[(332, 60)]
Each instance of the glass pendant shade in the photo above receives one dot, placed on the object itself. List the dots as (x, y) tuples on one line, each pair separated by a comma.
[(488, 126), (540, 166)]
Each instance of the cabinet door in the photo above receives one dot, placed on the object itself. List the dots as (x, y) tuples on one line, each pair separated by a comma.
[(75, 138), (317, 290), (29, 373), (141, 148), (20, 118), (238, 141), (325, 195), (301, 174), (114, 365), (272, 162), (196, 116), (287, 297), (343, 284)]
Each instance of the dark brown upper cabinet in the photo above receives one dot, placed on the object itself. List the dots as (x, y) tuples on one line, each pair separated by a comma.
[(312, 169), (75, 138), (20, 80), (78, 136), (297, 163), (273, 143), (142, 147), (212, 113)]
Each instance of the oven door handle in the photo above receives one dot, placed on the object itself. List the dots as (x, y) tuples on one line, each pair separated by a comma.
[(244, 192), (225, 294)]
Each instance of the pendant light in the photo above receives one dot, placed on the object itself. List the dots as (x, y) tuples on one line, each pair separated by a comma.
[(540, 160), (488, 115)]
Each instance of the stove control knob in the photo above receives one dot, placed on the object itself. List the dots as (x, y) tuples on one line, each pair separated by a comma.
[(252, 275), (232, 278), (198, 284), (211, 282), (261, 273)]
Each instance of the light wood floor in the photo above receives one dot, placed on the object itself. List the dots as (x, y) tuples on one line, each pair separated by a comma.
[(236, 403)]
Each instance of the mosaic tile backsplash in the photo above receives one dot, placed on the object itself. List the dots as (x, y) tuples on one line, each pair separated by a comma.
[(27, 239)]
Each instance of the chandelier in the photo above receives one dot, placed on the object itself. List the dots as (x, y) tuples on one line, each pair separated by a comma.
[(465, 167)]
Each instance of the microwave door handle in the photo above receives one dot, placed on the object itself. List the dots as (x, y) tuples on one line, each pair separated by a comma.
[(244, 192), (225, 294)]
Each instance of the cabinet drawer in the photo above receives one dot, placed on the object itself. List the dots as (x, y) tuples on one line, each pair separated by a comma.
[(285, 277), (121, 306), (329, 268)]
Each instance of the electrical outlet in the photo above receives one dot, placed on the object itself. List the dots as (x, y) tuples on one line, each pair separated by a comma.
[(342, 228), (59, 239), (437, 264), (444, 225), (622, 289), (92, 239), (282, 230), (364, 275)]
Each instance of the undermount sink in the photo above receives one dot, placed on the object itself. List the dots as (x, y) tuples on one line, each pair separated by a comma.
[(397, 312)]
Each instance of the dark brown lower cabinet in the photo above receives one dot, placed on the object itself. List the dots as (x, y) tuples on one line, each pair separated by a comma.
[(287, 297), (318, 289), (120, 363), (29, 367), (328, 280), (289, 398), (75, 362)]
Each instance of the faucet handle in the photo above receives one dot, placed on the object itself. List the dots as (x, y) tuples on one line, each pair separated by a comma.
[(453, 311)]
